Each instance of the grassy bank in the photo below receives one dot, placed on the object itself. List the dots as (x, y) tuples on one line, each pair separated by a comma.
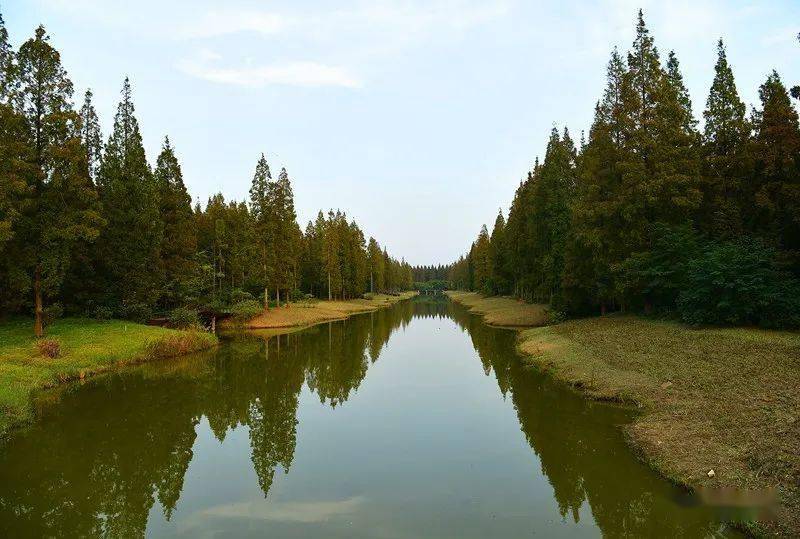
[(717, 399), (87, 347), (502, 311), (308, 314)]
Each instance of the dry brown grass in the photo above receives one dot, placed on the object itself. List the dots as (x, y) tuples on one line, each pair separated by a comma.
[(502, 311), (308, 314), (721, 399)]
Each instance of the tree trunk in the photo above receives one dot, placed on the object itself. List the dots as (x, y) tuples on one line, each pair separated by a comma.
[(38, 328), (603, 308), (278, 296), (329, 287), (266, 298), (371, 284)]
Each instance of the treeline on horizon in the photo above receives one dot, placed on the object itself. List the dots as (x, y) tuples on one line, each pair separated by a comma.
[(652, 215), (91, 229)]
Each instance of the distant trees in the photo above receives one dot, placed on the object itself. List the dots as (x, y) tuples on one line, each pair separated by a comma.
[(339, 263), (632, 218), (90, 228)]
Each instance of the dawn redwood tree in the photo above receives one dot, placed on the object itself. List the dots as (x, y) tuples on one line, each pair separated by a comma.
[(376, 269), (595, 241), (91, 136), (286, 233), (497, 255), (260, 210), (179, 241), (331, 254), (640, 192), (776, 184), (481, 260), (14, 146), (59, 212), (726, 163), (551, 214), (7, 75), (676, 157), (129, 250)]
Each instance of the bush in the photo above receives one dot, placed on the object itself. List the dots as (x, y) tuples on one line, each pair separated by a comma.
[(296, 295), (740, 282), (52, 313), (176, 345), (655, 278), (138, 312), (50, 348), (183, 318), (102, 313), (555, 316), (244, 311), (238, 295)]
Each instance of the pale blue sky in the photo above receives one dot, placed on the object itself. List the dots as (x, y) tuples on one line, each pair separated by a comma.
[(419, 118)]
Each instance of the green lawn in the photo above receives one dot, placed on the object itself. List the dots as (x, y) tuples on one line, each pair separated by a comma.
[(87, 347), (726, 399)]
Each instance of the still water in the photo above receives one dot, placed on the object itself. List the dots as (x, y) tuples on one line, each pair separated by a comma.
[(415, 421)]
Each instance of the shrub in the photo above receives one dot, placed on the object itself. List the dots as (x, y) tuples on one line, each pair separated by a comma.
[(102, 313), (175, 345), (138, 312), (296, 295), (52, 313), (555, 316), (244, 311), (656, 277), (740, 282), (183, 317), (48, 347), (238, 295)]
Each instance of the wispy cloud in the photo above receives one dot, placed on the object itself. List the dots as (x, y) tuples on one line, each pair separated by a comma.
[(223, 22), (296, 73), (385, 16)]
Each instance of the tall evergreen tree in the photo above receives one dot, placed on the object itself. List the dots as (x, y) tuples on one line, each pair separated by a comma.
[(331, 255), (776, 185), (91, 136), (725, 144), (597, 237), (130, 245), (498, 254), (286, 233), (551, 214), (676, 161), (179, 241), (7, 76), (482, 261), (60, 212), (376, 266), (262, 220)]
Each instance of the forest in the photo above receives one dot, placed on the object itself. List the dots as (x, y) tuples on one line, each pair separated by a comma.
[(89, 228), (652, 214)]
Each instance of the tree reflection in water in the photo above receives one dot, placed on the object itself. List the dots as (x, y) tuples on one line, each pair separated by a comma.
[(97, 461)]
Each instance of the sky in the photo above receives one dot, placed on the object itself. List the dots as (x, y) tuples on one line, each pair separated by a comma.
[(417, 118)]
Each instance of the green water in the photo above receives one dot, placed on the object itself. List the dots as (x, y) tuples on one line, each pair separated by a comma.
[(415, 421)]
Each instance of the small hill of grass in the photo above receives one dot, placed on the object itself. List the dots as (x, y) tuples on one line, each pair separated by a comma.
[(302, 314), (84, 347), (722, 399), (502, 311)]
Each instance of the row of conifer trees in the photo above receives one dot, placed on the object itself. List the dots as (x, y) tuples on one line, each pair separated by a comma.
[(653, 214), (88, 227)]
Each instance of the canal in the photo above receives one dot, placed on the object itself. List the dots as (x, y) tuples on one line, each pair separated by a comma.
[(414, 421)]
